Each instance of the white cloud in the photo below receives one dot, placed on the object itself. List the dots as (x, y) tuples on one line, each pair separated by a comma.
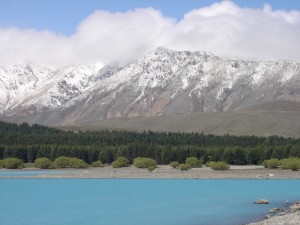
[(120, 36), (223, 28), (226, 29)]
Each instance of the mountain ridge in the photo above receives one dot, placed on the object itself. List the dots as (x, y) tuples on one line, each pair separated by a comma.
[(163, 82)]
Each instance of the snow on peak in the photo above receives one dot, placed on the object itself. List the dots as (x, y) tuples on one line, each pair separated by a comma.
[(199, 74)]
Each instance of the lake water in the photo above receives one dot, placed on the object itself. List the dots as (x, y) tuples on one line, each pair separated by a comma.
[(139, 201)]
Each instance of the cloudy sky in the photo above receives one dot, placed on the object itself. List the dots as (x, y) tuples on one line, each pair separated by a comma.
[(87, 32)]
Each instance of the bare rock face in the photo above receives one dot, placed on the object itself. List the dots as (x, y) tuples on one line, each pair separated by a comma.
[(162, 82)]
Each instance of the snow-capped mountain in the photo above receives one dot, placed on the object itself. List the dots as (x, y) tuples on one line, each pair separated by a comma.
[(161, 82)]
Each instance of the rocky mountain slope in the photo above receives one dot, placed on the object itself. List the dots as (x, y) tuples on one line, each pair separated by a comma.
[(162, 82)]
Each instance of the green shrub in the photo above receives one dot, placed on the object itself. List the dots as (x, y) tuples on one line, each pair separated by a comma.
[(117, 164), (284, 163), (265, 163), (43, 163), (1, 163), (141, 162), (272, 163), (97, 164), (77, 163), (62, 162), (185, 167), (124, 161), (175, 164), (120, 162), (207, 163), (151, 168), (290, 163), (194, 162), (12, 163), (68, 162), (220, 165), (295, 166)]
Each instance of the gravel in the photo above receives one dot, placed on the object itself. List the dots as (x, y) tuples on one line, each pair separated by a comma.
[(288, 219)]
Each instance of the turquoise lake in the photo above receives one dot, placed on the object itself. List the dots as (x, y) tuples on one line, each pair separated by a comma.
[(140, 201)]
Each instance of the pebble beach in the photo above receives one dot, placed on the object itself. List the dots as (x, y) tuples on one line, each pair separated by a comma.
[(289, 219)]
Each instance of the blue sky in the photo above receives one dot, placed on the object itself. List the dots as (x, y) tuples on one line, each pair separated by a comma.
[(63, 16), (118, 31)]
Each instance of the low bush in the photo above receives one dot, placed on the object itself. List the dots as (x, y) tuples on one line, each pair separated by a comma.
[(295, 166), (68, 162), (43, 163), (194, 162), (141, 162), (123, 160), (271, 163), (12, 163), (219, 165), (265, 163), (290, 163), (175, 164), (185, 167), (97, 164), (207, 163), (78, 163), (120, 162), (62, 162), (117, 164), (1, 163), (151, 168)]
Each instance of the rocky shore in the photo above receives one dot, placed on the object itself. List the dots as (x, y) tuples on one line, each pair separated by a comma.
[(288, 219), (287, 216)]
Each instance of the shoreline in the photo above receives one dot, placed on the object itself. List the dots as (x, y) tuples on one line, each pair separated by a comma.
[(287, 219), (162, 172)]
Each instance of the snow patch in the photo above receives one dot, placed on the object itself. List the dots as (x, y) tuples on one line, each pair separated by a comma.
[(185, 83)]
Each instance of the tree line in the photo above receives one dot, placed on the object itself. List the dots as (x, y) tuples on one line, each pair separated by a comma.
[(36, 141)]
